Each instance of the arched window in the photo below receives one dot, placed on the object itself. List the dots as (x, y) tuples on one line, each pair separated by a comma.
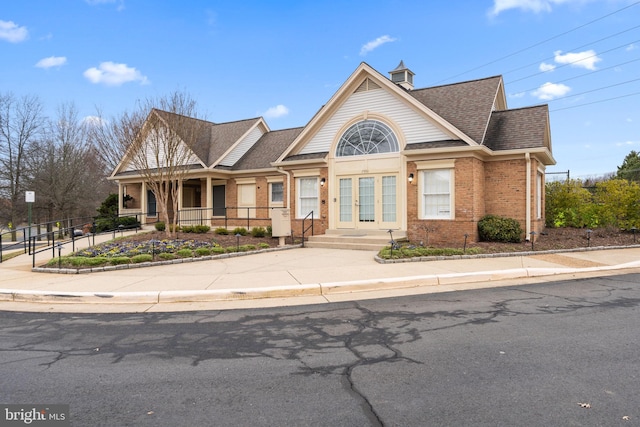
[(367, 137)]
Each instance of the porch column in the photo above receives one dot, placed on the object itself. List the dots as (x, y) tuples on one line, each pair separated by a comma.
[(143, 203), (120, 197), (209, 196)]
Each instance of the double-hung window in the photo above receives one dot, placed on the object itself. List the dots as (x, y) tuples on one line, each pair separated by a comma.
[(307, 197), (436, 194), (277, 192)]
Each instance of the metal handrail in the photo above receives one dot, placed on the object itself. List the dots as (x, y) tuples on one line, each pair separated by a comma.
[(304, 230)]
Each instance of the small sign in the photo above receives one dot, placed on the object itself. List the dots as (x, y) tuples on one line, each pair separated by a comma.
[(30, 196)]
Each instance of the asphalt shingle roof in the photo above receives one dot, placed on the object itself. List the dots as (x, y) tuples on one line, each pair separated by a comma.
[(519, 128), (267, 149), (466, 105)]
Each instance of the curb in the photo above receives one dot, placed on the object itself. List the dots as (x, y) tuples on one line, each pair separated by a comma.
[(318, 289)]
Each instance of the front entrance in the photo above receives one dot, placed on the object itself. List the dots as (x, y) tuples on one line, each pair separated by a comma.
[(368, 202)]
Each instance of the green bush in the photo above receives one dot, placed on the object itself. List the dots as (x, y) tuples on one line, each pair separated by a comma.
[(217, 250), (269, 230), (258, 232), (120, 260), (201, 229), (185, 253), (167, 256), (240, 230), (617, 203), (568, 204), (137, 259), (263, 245), (221, 231), (493, 228), (421, 251), (160, 226), (203, 252)]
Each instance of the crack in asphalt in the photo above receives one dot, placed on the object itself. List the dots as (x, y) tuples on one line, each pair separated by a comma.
[(311, 336)]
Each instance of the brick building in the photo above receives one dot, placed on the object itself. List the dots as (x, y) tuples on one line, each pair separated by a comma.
[(378, 156)]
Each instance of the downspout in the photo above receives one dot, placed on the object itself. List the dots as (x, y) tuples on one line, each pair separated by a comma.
[(285, 173), (527, 157)]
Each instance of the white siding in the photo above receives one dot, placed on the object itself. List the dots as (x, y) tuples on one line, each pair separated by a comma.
[(156, 148), (414, 126), (244, 146)]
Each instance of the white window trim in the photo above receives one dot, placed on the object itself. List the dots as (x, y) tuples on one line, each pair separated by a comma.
[(316, 209), (539, 190), (421, 208), (279, 203)]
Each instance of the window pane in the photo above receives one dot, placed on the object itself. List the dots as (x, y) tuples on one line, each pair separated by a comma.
[(346, 200), (367, 137), (277, 192), (366, 203), (308, 196), (388, 198), (436, 193)]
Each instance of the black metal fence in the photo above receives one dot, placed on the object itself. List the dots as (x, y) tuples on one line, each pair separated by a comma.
[(56, 233)]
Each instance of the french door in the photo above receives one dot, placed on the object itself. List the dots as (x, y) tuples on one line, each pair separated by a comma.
[(367, 202)]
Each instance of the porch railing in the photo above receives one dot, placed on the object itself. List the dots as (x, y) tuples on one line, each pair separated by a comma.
[(258, 215)]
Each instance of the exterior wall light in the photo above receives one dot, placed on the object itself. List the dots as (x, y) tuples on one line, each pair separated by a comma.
[(410, 178), (322, 182)]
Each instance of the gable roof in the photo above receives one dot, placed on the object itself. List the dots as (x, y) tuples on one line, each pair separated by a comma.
[(213, 139), (519, 129), (267, 149), (466, 105), (200, 144)]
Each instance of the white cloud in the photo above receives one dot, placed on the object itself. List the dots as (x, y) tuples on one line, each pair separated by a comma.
[(52, 61), (586, 59), (112, 74), (535, 6), (549, 91), (631, 47), (277, 111), (10, 32), (94, 121), (544, 67), (369, 46)]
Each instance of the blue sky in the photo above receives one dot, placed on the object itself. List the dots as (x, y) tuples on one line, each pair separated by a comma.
[(284, 59)]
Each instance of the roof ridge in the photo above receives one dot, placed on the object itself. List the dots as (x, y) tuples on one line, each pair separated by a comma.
[(526, 107), (497, 76)]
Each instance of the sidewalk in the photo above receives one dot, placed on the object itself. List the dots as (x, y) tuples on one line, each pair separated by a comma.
[(283, 277)]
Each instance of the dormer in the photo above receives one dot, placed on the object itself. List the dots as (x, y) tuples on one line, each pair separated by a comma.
[(402, 76)]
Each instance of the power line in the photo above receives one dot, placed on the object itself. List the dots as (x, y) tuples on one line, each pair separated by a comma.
[(576, 61), (541, 42), (596, 102), (572, 49), (586, 74), (593, 90)]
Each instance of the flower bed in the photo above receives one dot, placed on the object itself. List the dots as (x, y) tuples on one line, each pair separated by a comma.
[(122, 251)]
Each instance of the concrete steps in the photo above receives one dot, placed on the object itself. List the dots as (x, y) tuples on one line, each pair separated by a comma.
[(354, 240)]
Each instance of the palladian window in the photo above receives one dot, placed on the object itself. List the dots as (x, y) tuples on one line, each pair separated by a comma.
[(367, 137)]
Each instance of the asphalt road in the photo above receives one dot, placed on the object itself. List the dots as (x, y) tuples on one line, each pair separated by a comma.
[(564, 353)]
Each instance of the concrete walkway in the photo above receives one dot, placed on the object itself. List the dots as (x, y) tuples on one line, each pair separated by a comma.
[(285, 277)]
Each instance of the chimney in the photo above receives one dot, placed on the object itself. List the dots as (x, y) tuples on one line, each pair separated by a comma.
[(402, 76)]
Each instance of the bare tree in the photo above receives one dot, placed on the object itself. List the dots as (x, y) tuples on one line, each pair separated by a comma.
[(21, 123), (157, 140), (63, 169)]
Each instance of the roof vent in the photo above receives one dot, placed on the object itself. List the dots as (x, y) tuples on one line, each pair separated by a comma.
[(402, 76)]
